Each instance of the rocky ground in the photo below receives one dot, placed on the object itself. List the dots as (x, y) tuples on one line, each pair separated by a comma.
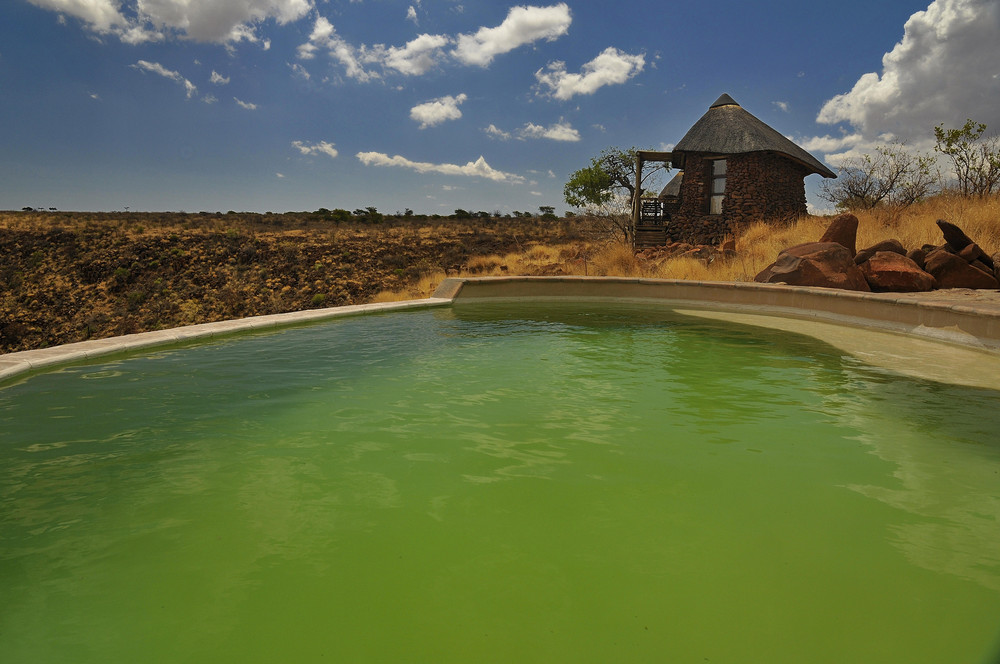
[(68, 277)]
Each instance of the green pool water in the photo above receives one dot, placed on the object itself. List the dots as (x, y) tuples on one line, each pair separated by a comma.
[(543, 483)]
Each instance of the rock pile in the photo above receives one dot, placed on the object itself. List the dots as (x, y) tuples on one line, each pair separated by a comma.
[(834, 262)]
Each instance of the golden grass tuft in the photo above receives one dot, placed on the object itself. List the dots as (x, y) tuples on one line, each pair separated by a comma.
[(616, 260), (423, 288), (757, 245)]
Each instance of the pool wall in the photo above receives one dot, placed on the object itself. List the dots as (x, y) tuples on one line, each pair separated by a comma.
[(965, 318), (30, 361)]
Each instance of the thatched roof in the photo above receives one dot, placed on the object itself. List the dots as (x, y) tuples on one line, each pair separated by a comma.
[(673, 188), (728, 129)]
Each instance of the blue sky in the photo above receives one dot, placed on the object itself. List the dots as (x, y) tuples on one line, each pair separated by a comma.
[(435, 105)]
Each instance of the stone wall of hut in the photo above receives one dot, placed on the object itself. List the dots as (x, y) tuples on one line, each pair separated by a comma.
[(759, 186)]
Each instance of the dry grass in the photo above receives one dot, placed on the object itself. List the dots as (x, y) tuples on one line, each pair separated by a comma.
[(756, 247)]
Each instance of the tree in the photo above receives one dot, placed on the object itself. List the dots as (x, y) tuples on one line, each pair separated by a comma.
[(890, 176), (548, 211), (606, 188), (976, 160)]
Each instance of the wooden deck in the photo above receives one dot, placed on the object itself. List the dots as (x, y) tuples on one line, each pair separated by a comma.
[(649, 219), (651, 225)]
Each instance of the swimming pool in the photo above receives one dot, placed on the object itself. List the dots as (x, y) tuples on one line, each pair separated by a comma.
[(499, 482)]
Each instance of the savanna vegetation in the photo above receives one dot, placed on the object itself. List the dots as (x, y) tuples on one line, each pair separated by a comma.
[(68, 277), (756, 246)]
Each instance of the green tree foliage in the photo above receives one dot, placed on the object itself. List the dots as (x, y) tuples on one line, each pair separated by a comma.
[(606, 188), (974, 158), (589, 187), (370, 214), (890, 176), (547, 211)]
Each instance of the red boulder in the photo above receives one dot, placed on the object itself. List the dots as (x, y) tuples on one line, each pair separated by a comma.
[(844, 231), (951, 271), (889, 271), (824, 264)]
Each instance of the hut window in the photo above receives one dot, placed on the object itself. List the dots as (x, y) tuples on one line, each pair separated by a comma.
[(718, 180)]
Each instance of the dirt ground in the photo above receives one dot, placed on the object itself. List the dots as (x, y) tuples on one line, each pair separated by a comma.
[(68, 277)]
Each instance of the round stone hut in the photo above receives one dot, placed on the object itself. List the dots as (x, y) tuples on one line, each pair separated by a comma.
[(734, 169)]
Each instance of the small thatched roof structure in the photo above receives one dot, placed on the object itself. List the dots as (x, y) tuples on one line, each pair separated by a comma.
[(673, 188), (728, 129)]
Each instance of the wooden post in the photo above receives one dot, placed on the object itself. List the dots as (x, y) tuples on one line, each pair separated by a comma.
[(636, 205)]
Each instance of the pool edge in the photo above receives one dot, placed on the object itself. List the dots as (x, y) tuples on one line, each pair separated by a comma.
[(950, 321), (18, 364), (935, 317)]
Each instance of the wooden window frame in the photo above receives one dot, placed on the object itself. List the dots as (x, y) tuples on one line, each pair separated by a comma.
[(712, 178)]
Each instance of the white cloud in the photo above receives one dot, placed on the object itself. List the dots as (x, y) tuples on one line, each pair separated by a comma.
[(219, 21), (827, 144), (101, 15), (299, 70), (496, 132), (324, 36), (610, 67), (561, 131), (439, 110), (945, 69), (317, 148), (523, 25), (279, 175), (478, 168), (218, 78), (245, 104), (781, 105), (411, 15), (160, 70), (415, 58), (209, 99)]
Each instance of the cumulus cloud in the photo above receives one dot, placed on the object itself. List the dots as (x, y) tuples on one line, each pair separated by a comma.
[(322, 147), (560, 131), (219, 21), (362, 62), (160, 70), (610, 67), (781, 105), (496, 132), (415, 57), (438, 110), (411, 15), (245, 104), (523, 25), (478, 168), (945, 69), (218, 78)]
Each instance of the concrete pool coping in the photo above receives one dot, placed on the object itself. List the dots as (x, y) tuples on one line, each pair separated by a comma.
[(962, 318)]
